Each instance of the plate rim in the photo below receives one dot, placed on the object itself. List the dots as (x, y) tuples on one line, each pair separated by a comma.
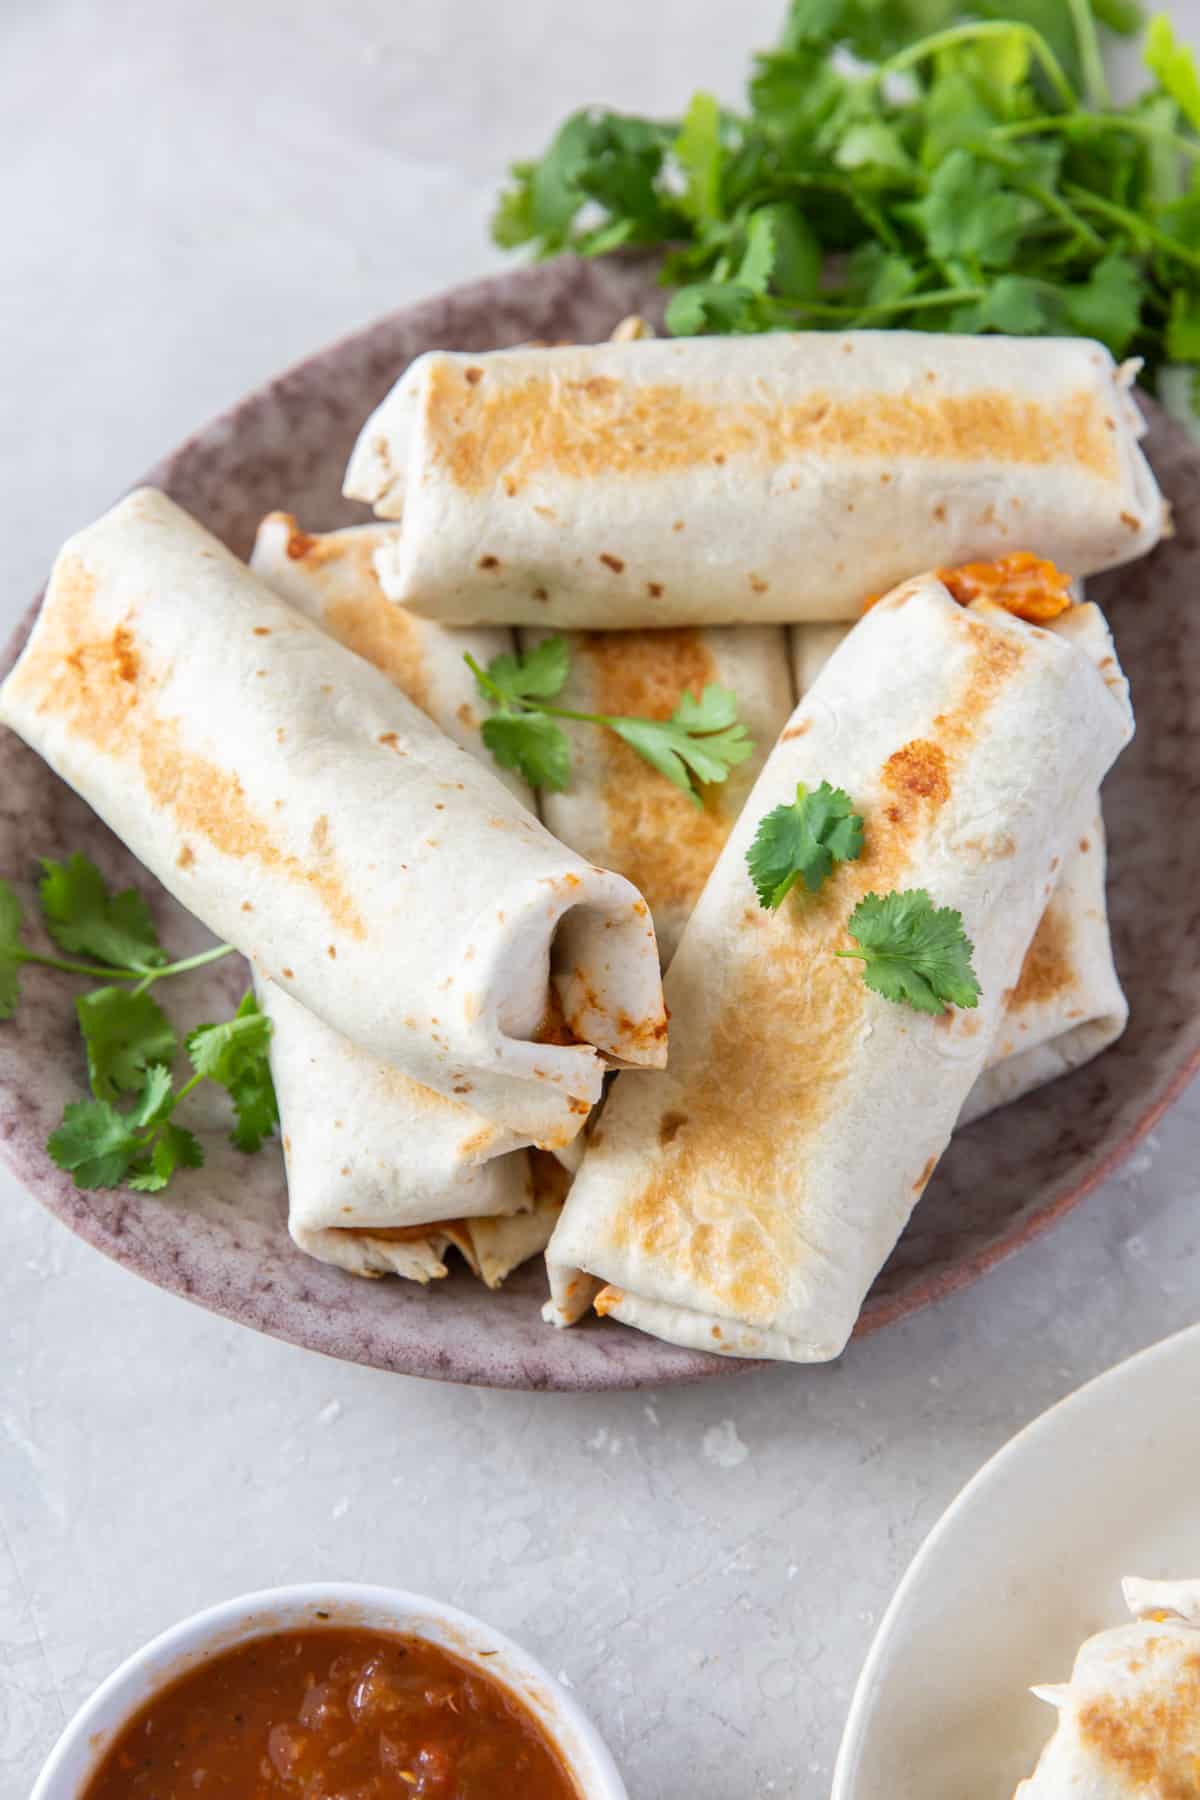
[(1042, 1425)]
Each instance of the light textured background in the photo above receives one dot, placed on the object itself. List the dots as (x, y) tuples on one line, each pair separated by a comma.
[(194, 194)]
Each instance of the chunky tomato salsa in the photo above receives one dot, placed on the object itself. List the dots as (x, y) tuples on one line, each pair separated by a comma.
[(334, 1714)]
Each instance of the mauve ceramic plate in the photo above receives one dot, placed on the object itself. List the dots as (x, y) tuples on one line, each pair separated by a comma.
[(219, 1237)]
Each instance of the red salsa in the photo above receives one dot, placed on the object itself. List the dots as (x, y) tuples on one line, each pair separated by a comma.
[(334, 1714)]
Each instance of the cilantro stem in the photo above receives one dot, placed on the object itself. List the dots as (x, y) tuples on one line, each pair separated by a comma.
[(143, 977), (191, 1083), (883, 309), (1052, 203), (1136, 226), (74, 968), (984, 28), (1095, 125), (150, 976), (1091, 62), (509, 701)]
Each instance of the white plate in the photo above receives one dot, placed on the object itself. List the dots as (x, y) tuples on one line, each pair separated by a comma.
[(1022, 1567)]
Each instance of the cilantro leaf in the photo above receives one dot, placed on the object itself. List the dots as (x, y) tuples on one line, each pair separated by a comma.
[(727, 306), (1183, 327), (532, 744), (701, 741), (969, 215), (536, 674), (95, 1143), (697, 151), (124, 1033), (1014, 305), (12, 950), (913, 952), (758, 263), (1174, 66), (1108, 304), (156, 1098), (1122, 16), (252, 1091), (81, 915), (234, 1054), (801, 841), (173, 1148)]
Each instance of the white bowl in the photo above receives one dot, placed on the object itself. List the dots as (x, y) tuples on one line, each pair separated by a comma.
[(91, 1732)]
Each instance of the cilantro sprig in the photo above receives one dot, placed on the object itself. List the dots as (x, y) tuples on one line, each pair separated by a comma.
[(914, 952), (699, 744), (929, 164), (80, 914), (801, 841), (142, 1148), (129, 1042)]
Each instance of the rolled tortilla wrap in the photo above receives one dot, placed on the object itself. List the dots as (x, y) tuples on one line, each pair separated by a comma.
[(289, 795), (330, 577), (754, 480), (1067, 1005), (365, 1147), (1129, 1717), (371, 1155), (745, 1199), (621, 813)]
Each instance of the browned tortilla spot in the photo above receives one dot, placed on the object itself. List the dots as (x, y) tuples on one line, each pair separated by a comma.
[(383, 634), (584, 429), (724, 1205), (612, 562), (918, 771), (186, 857), (1049, 966), (797, 730), (553, 1027), (656, 837), (669, 1125), (922, 1181), (92, 680), (1152, 1743), (489, 562)]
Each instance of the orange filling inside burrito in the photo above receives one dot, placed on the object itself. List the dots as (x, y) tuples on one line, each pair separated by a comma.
[(1021, 583)]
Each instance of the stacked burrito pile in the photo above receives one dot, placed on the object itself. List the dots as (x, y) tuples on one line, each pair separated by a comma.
[(453, 964)]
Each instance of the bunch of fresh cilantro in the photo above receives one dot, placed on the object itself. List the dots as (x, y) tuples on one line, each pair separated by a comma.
[(129, 1042), (914, 163)]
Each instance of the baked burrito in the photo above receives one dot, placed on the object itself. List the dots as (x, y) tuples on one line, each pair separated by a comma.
[(1068, 1004), (752, 480), (291, 796), (385, 1176), (745, 1199), (1129, 1717)]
